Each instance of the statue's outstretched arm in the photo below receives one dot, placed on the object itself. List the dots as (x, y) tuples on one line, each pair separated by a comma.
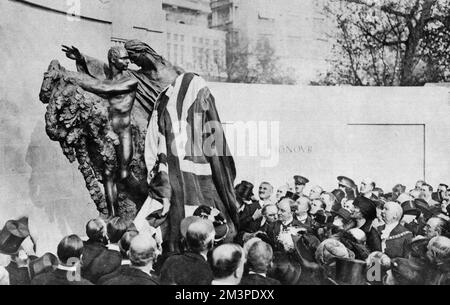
[(86, 64), (105, 87)]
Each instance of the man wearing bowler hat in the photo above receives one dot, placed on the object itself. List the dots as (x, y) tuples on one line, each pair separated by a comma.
[(300, 183)]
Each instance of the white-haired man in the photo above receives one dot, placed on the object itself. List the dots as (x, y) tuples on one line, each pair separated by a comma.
[(394, 237), (366, 188)]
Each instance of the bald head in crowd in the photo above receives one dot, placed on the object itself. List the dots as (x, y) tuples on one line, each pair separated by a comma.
[(200, 236), (392, 212), (227, 264), (143, 251)]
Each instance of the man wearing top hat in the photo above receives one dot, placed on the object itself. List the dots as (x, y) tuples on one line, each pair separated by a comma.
[(12, 237), (300, 183)]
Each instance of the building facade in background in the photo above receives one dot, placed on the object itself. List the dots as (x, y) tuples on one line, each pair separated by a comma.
[(297, 31), (191, 44)]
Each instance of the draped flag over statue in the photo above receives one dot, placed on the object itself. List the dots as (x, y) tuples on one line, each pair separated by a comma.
[(187, 157)]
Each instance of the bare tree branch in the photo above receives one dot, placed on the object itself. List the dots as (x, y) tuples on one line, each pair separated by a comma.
[(384, 8)]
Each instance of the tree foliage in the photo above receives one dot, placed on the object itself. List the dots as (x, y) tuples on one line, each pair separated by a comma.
[(389, 42), (255, 64)]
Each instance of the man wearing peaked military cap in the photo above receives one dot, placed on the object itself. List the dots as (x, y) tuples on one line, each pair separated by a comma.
[(300, 183)]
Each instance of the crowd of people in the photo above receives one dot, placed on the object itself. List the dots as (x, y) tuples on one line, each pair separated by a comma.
[(354, 234)]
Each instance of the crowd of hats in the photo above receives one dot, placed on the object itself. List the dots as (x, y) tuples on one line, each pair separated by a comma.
[(342, 255), (324, 251)]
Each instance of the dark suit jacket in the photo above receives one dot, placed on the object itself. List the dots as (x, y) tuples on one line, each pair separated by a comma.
[(98, 261), (57, 277), (373, 242), (436, 197), (18, 276), (186, 269), (258, 280), (128, 275), (275, 231), (398, 241), (246, 222)]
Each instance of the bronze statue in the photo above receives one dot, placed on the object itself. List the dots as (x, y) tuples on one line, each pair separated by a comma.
[(81, 111), (120, 91)]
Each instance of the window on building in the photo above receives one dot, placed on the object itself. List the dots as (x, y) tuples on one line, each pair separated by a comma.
[(175, 37), (216, 55), (223, 15), (200, 58), (194, 56), (181, 37), (207, 58), (216, 42), (207, 41), (175, 54), (168, 51), (182, 55), (200, 40), (168, 36)]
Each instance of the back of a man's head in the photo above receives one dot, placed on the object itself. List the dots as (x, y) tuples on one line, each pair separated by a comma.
[(70, 248), (259, 257), (143, 249), (225, 260), (125, 242), (116, 228), (200, 235), (96, 229)]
